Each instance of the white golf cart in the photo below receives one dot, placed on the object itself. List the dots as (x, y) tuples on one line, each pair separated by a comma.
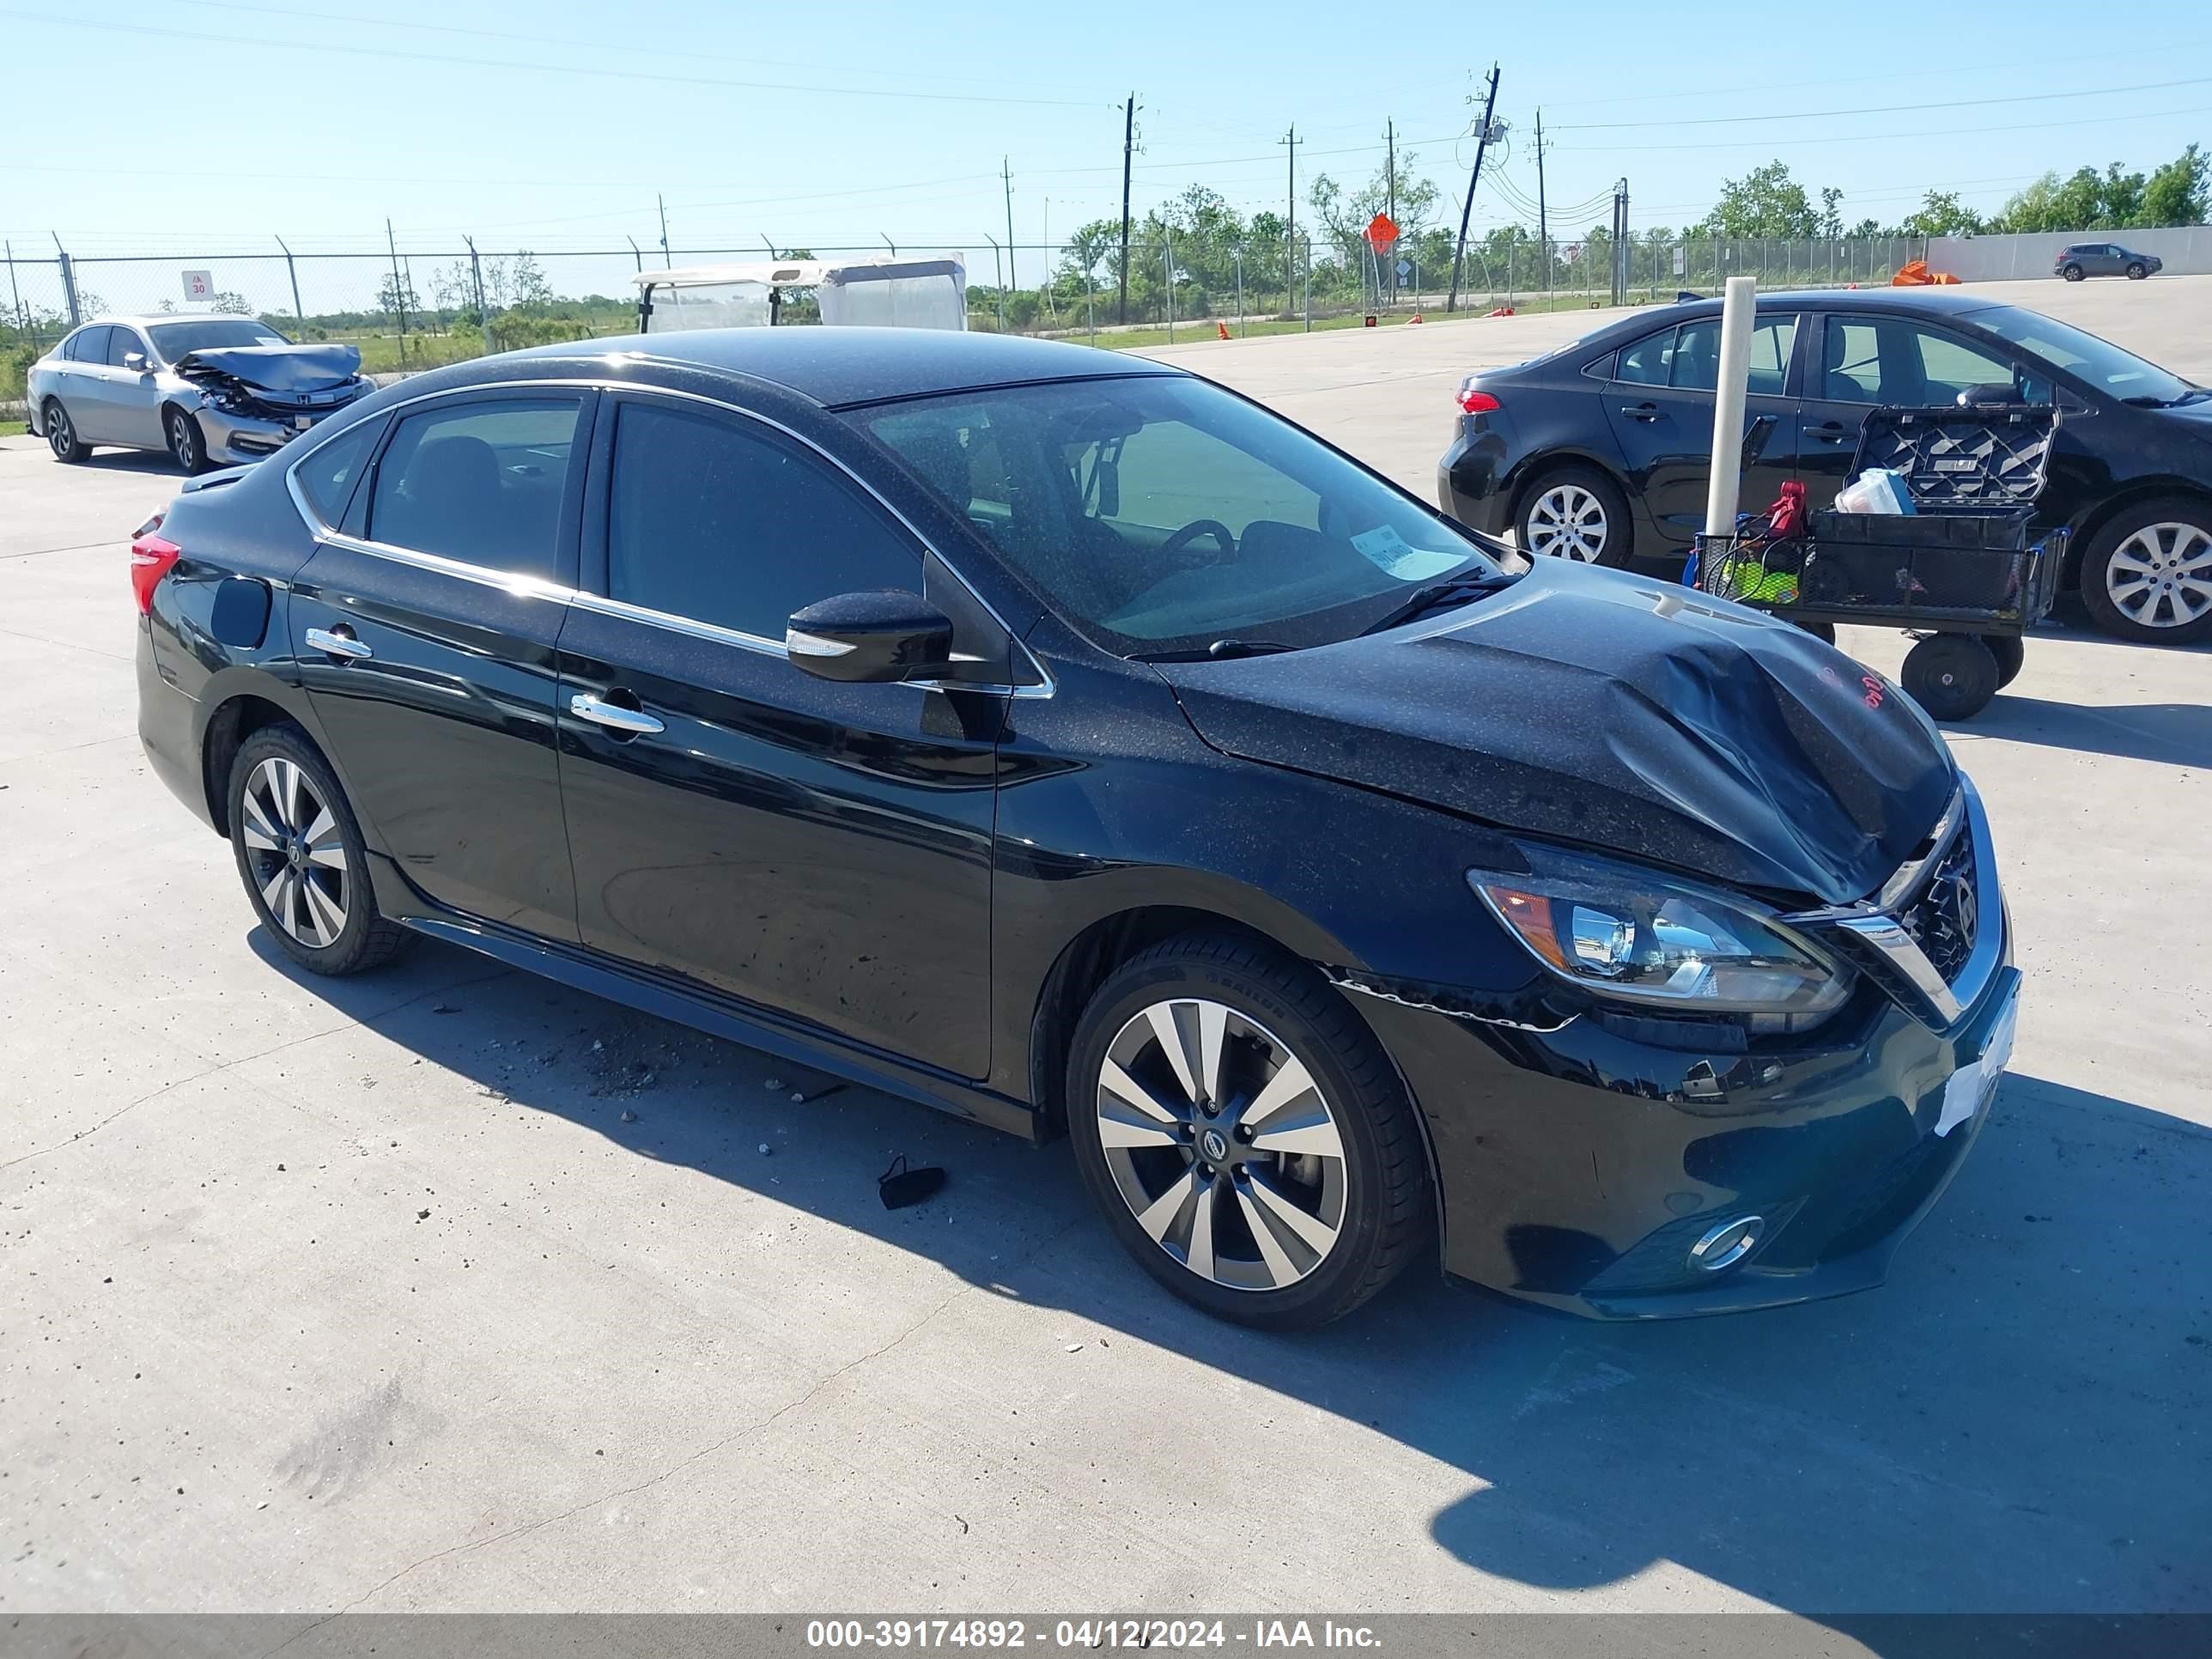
[(881, 293)]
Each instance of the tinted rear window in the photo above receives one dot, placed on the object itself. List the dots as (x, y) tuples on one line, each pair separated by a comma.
[(478, 481)]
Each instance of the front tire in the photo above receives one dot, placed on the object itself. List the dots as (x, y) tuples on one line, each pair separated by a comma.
[(301, 855), (2136, 273), (1574, 513), (1244, 1133), (61, 434), (187, 444), (2147, 575)]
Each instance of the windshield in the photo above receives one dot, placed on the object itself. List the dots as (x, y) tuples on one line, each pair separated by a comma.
[(173, 340), (1161, 514), (2101, 364)]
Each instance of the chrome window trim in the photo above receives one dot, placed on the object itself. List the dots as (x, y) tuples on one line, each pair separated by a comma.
[(533, 587), (1876, 925)]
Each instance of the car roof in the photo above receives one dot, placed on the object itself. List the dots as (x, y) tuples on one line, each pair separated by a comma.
[(156, 318), (840, 366)]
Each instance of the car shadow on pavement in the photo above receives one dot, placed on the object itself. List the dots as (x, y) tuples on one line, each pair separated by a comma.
[(131, 460), (2016, 1423), (2178, 733)]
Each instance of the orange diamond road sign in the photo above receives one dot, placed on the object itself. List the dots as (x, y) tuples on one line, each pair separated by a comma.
[(1380, 232)]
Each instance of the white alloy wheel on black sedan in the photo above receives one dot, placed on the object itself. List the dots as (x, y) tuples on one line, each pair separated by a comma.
[(1574, 513), (1248, 1138)]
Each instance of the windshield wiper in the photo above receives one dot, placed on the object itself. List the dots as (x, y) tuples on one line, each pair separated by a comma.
[(1468, 585), (1219, 651)]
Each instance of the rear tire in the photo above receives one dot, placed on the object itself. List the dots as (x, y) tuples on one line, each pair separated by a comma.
[(1574, 513), (1175, 1143), (301, 855), (2010, 651), (2072, 273), (61, 432), (187, 443), (1951, 675)]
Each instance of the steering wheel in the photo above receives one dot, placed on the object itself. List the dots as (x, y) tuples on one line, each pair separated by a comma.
[(1224, 537)]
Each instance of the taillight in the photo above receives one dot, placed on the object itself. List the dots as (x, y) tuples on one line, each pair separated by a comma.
[(1474, 402), (151, 559)]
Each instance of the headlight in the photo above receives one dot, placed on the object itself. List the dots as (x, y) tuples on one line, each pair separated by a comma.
[(1637, 935)]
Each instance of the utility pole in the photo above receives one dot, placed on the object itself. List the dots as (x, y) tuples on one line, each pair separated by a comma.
[(1129, 145), (662, 205), (1481, 143), (291, 270), (1006, 174), (1543, 225), (1391, 195), (1290, 223), (398, 291)]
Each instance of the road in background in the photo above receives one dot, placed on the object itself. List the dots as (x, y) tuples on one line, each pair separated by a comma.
[(450, 1288)]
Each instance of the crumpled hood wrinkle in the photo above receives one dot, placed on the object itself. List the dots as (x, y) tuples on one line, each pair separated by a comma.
[(1713, 740), (274, 368)]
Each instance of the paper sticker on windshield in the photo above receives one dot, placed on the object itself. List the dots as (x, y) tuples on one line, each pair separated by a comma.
[(1385, 547)]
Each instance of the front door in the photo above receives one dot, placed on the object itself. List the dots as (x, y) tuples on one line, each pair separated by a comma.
[(425, 632), (1660, 404), (820, 850), (1858, 362)]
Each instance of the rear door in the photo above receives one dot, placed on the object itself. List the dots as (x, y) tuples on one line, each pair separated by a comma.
[(821, 850), (1856, 363), (1660, 405), (83, 388), (425, 629)]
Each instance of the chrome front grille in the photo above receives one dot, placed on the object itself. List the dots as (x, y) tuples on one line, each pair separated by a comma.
[(1944, 915), (1934, 935)]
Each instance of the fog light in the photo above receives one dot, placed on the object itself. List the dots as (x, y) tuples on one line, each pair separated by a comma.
[(1725, 1245)]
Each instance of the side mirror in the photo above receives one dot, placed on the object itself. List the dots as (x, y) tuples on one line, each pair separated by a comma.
[(135, 361), (879, 637)]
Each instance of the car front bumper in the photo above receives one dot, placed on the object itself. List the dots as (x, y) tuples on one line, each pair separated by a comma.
[(236, 436), (1578, 1166)]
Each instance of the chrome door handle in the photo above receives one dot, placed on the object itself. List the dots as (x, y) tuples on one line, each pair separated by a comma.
[(337, 645), (1640, 411), (612, 715)]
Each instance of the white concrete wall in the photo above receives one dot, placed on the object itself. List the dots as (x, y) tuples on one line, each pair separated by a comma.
[(2187, 250)]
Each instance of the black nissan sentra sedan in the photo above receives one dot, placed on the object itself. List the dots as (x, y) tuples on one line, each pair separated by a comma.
[(1064, 741)]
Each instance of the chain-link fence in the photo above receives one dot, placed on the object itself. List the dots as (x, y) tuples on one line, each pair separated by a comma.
[(413, 309)]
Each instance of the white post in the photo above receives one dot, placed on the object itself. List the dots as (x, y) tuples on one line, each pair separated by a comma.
[(1728, 406)]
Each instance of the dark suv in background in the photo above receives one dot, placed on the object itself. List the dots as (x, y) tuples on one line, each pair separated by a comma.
[(1600, 451), (2080, 259)]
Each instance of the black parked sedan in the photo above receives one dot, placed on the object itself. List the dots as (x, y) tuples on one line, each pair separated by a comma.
[(1066, 742), (1600, 451)]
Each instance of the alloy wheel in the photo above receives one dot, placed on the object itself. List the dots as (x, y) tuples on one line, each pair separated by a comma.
[(1222, 1144), (61, 438), (296, 851), (183, 441), (1567, 521), (2161, 576)]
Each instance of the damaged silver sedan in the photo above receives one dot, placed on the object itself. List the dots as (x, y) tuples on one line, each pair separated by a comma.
[(211, 391)]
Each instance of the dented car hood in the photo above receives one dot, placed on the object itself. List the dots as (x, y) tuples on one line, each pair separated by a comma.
[(1571, 705), (282, 368)]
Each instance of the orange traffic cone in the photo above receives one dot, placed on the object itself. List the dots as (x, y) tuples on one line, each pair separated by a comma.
[(1221, 329), (1415, 318)]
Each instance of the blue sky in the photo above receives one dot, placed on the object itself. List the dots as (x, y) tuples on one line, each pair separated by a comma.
[(176, 125)]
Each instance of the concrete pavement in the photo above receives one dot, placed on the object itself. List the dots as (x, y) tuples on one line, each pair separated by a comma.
[(447, 1288)]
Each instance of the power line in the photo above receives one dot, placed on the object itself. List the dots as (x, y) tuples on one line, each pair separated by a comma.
[(1896, 137), (397, 53), (1882, 109)]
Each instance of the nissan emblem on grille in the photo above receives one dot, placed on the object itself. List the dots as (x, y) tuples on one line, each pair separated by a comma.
[(1946, 916)]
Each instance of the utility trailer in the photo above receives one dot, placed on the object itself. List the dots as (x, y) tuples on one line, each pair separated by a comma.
[(877, 293)]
